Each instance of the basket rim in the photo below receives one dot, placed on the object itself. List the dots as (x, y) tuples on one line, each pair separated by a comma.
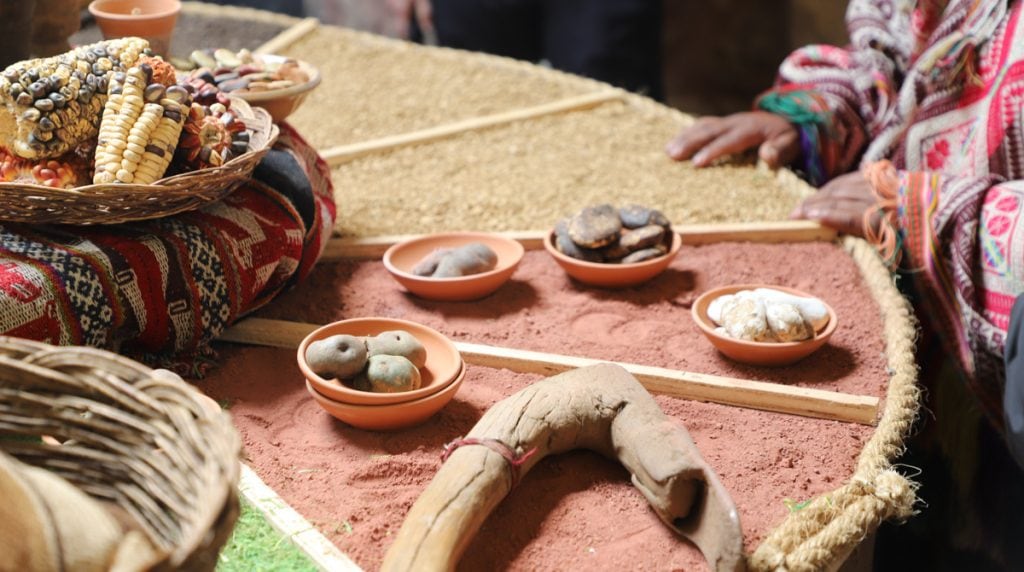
[(257, 120), (116, 203)]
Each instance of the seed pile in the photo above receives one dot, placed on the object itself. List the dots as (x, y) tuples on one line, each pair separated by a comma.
[(526, 175), (242, 71), (374, 87)]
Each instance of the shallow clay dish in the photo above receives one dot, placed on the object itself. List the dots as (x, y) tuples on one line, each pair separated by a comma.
[(443, 360), (759, 353), (613, 275), (402, 257), (280, 103), (391, 416)]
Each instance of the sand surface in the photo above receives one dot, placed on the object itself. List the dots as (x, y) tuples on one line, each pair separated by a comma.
[(577, 509)]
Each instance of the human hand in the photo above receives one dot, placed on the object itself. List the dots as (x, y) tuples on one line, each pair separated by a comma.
[(841, 204), (709, 138)]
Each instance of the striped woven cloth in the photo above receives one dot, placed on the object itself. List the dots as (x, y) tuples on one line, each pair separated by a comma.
[(162, 289)]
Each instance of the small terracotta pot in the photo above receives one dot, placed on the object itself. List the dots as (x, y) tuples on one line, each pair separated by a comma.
[(392, 416), (152, 20), (759, 353), (443, 360), (613, 275), (280, 103), (402, 257)]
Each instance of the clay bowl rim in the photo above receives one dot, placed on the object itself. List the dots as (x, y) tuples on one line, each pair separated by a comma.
[(506, 266), (443, 396), (677, 245), (699, 313), (97, 12), (344, 394), (283, 93)]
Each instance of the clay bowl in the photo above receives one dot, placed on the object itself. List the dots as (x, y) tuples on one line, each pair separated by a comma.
[(391, 416), (758, 353), (153, 20), (443, 361), (402, 257), (280, 103), (613, 275)]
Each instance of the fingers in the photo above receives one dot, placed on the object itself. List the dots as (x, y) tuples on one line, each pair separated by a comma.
[(780, 149), (734, 140), (844, 215), (693, 138)]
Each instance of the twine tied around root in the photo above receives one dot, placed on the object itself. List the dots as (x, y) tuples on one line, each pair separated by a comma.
[(498, 446)]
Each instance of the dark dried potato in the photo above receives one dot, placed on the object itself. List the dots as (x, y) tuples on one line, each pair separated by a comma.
[(565, 245), (631, 234), (594, 227)]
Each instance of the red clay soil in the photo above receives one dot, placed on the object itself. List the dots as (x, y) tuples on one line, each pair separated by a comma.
[(577, 509)]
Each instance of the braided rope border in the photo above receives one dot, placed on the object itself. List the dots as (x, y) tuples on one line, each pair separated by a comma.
[(827, 530)]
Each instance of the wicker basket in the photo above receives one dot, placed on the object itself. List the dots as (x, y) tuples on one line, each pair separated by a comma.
[(118, 203), (139, 439)]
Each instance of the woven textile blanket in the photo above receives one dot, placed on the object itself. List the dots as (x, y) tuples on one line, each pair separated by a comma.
[(167, 287)]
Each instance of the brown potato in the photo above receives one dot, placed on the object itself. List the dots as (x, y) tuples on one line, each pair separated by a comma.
[(392, 374), (398, 343), (338, 356)]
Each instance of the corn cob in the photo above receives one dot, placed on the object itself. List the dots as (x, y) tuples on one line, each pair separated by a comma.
[(50, 106), (212, 136), (139, 131)]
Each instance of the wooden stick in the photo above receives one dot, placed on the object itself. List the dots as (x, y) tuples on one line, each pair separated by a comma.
[(291, 525), (776, 397), (374, 246), (766, 232), (344, 153), (288, 36)]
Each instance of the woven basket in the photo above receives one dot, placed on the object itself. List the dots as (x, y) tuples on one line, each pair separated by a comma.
[(118, 203), (138, 439)]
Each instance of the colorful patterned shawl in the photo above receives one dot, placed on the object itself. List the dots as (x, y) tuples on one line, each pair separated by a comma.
[(937, 88)]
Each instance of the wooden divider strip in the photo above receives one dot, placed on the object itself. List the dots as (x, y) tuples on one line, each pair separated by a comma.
[(751, 394), (344, 153), (766, 232), (292, 525), (288, 36)]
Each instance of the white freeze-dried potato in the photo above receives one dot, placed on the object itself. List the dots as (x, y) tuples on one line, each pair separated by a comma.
[(785, 322), (812, 309), (744, 319), (768, 315), (715, 307)]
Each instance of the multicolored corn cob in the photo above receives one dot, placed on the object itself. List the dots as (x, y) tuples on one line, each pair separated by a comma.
[(49, 106), (142, 120)]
